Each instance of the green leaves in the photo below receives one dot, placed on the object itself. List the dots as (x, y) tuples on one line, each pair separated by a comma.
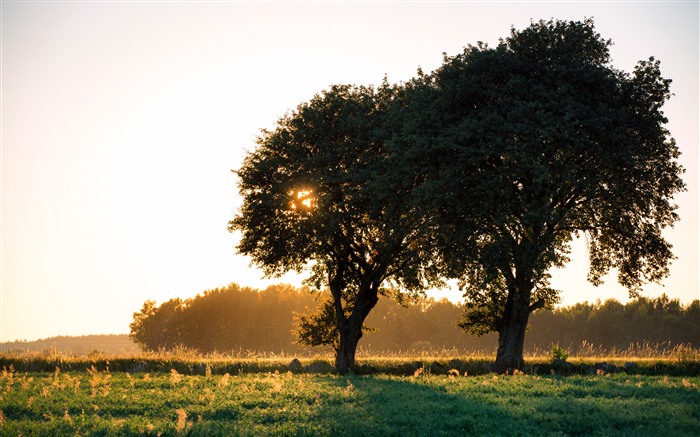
[(483, 170), (522, 146), (320, 328), (319, 195)]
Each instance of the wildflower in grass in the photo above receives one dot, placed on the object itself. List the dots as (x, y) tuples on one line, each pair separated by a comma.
[(224, 380), (8, 375), (349, 388), (175, 377), (181, 419), (94, 380), (105, 386), (276, 385), (207, 395), (99, 383), (25, 382)]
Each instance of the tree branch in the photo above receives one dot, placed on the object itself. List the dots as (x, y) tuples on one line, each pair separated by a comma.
[(537, 305)]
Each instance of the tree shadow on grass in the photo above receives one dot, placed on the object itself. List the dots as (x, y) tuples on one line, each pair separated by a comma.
[(618, 407), (383, 406)]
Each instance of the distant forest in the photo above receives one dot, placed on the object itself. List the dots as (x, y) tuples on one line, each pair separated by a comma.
[(240, 319), (79, 345)]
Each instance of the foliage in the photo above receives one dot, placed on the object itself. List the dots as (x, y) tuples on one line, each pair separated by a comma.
[(319, 328), (92, 403), (240, 321), (612, 325), (483, 171), (316, 197), (226, 319), (155, 327), (559, 354), (525, 146)]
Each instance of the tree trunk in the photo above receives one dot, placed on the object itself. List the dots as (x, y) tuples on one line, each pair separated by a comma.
[(511, 334), (350, 328), (345, 354)]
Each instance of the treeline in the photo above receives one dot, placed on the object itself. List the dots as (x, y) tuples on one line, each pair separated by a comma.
[(80, 345), (239, 319), (614, 325)]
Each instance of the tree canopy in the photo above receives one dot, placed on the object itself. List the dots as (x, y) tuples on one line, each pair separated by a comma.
[(524, 147), (484, 171), (317, 197)]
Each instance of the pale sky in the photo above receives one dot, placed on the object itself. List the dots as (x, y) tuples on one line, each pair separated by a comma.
[(121, 123)]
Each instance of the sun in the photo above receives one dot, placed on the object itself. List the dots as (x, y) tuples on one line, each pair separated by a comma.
[(303, 199)]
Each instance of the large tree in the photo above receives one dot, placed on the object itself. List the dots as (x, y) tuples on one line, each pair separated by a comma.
[(524, 147), (318, 196)]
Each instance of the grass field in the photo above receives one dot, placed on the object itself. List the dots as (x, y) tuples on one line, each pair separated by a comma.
[(100, 402)]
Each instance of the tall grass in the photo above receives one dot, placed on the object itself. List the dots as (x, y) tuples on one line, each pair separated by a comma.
[(644, 350), (643, 358)]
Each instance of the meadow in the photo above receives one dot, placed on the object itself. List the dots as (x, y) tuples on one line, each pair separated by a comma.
[(395, 396)]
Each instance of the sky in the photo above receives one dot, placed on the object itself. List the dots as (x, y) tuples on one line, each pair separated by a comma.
[(121, 122)]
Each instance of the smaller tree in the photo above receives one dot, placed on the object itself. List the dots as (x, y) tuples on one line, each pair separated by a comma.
[(318, 197), (158, 327), (319, 328)]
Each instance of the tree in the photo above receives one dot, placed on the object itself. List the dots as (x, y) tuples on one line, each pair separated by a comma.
[(318, 196), (525, 147), (158, 327)]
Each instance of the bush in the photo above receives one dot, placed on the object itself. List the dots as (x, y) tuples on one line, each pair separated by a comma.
[(559, 353)]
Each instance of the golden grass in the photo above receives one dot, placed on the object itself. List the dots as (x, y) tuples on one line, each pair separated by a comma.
[(434, 361)]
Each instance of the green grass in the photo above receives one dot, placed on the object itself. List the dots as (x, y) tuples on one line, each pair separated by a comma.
[(170, 403)]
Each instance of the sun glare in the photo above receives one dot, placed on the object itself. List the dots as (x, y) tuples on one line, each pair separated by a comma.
[(303, 199)]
